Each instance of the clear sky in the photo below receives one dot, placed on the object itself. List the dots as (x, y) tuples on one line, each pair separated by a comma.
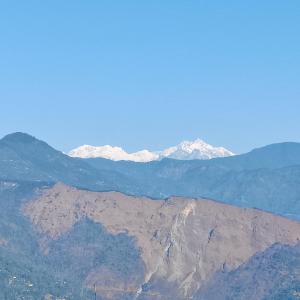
[(148, 74)]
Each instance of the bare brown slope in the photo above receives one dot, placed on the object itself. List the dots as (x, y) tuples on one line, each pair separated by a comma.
[(183, 241)]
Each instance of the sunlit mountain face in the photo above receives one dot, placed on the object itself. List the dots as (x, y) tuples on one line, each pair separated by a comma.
[(80, 228), (186, 150)]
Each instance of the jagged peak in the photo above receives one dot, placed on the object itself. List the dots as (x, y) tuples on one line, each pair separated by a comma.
[(197, 149)]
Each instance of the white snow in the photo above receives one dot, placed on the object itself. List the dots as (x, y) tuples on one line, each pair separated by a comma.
[(197, 149), (112, 153), (186, 150)]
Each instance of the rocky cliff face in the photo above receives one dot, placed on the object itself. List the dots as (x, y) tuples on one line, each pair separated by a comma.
[(183, 243)]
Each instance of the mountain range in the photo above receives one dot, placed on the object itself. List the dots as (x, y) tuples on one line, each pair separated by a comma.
[(186, 150), (182, 243), (261, 178), (94, 228)]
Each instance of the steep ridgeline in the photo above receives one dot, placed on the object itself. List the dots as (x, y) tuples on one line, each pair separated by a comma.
[(267, 178), (179, 246), (23, 157)]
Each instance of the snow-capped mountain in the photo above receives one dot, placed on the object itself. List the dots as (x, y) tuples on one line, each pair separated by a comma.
[(113, 153), (186, 150), (197, 149)]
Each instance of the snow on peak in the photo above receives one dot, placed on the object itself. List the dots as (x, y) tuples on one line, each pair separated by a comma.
[(112, 153), (197, 149), (186, 150)]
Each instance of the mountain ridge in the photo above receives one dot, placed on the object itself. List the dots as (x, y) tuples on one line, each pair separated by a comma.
[(166, 233), (267, 178), (186, 150), (60, 225)]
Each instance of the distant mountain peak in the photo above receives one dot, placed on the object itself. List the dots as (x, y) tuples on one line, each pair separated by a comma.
[(197, 149), (112, 153), (19, 137), (186, 150)]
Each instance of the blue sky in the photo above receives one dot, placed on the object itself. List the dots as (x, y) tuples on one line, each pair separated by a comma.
[(148, 74)]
